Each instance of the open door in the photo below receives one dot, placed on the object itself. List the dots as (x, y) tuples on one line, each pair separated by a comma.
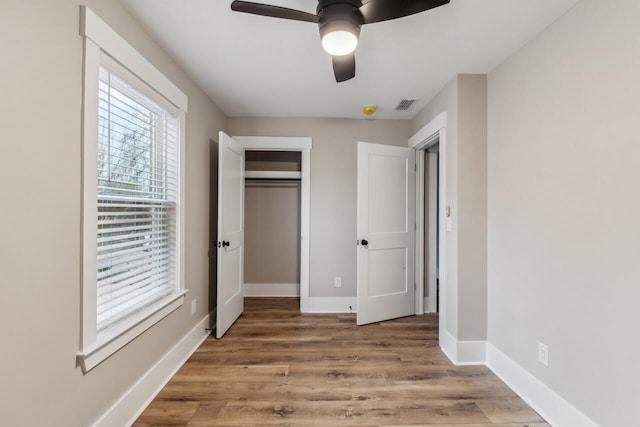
[(386, 232), (230, 298)]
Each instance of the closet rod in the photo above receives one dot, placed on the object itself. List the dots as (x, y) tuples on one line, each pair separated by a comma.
[(265, 183)]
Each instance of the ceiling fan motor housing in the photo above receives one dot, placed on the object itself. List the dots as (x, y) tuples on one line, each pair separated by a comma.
[(339, 15)]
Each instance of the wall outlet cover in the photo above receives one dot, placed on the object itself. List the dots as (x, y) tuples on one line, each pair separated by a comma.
[(543, 354)]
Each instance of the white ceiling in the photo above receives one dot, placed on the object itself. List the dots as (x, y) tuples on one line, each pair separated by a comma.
[(259, 66)]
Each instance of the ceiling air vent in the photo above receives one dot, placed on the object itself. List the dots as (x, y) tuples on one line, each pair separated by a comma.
[(406, 105)]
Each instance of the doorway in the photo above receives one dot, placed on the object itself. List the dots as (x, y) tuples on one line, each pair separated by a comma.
[(429, 218), (425, 142), (286, 170), (272, 223)]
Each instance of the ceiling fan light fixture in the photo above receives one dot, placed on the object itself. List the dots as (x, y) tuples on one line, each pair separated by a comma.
[(339, 38), (339, 43)]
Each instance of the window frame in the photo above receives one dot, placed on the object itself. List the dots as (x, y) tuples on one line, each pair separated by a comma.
[(102, 45)]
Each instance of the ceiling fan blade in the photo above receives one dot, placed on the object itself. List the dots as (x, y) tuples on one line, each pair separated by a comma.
[(273, 11), (385, 10), (344, 67)]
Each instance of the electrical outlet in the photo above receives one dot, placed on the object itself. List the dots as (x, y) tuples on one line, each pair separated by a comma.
[(337, 282), (543, 354), (193, 307)]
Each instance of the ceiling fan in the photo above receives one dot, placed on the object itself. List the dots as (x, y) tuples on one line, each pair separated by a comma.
[(340, 22)]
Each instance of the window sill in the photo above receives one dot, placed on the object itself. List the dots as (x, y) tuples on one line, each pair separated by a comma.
[(91, 357)]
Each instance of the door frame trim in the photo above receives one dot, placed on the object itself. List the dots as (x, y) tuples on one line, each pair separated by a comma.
[(432, 133), (304, 146)]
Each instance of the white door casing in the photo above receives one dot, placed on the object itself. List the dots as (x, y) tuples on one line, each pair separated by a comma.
[(230, 297), (386, 221)]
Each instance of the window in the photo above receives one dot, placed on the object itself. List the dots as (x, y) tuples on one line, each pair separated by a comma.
[(137, 197), (132, 177)]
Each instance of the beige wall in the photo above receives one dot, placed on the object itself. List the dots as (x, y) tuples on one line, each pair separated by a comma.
[(472, 207), (41, 87), (464, 101), (333, 187), (272, 232), (564, 208)]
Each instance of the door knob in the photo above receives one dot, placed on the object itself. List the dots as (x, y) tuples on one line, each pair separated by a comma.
[(364, 242), (225, 244)]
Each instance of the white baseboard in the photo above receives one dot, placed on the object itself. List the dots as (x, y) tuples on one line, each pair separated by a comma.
[(332, 305), (271, 290), (448, 344), (463, 352), (552, 407), (131, 404)]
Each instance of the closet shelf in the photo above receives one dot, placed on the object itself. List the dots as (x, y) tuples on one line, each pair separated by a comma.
[(272, 175)]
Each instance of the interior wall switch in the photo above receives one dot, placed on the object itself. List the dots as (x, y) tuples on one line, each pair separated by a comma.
[(193, 307), (337, 282), (543, 354), (448, 221)]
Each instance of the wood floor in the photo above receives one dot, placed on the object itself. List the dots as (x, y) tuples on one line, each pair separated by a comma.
[(277, 367)]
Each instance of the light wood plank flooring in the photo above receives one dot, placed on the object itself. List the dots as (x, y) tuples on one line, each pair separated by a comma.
[(277, 367)]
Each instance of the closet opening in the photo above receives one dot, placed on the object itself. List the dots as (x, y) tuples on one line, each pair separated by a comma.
[(272, 220)]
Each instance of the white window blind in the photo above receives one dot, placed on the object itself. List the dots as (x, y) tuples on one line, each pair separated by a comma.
[(138, 146)]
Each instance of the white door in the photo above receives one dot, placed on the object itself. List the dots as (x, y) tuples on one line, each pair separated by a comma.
[(230, 243), (386, 232)]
